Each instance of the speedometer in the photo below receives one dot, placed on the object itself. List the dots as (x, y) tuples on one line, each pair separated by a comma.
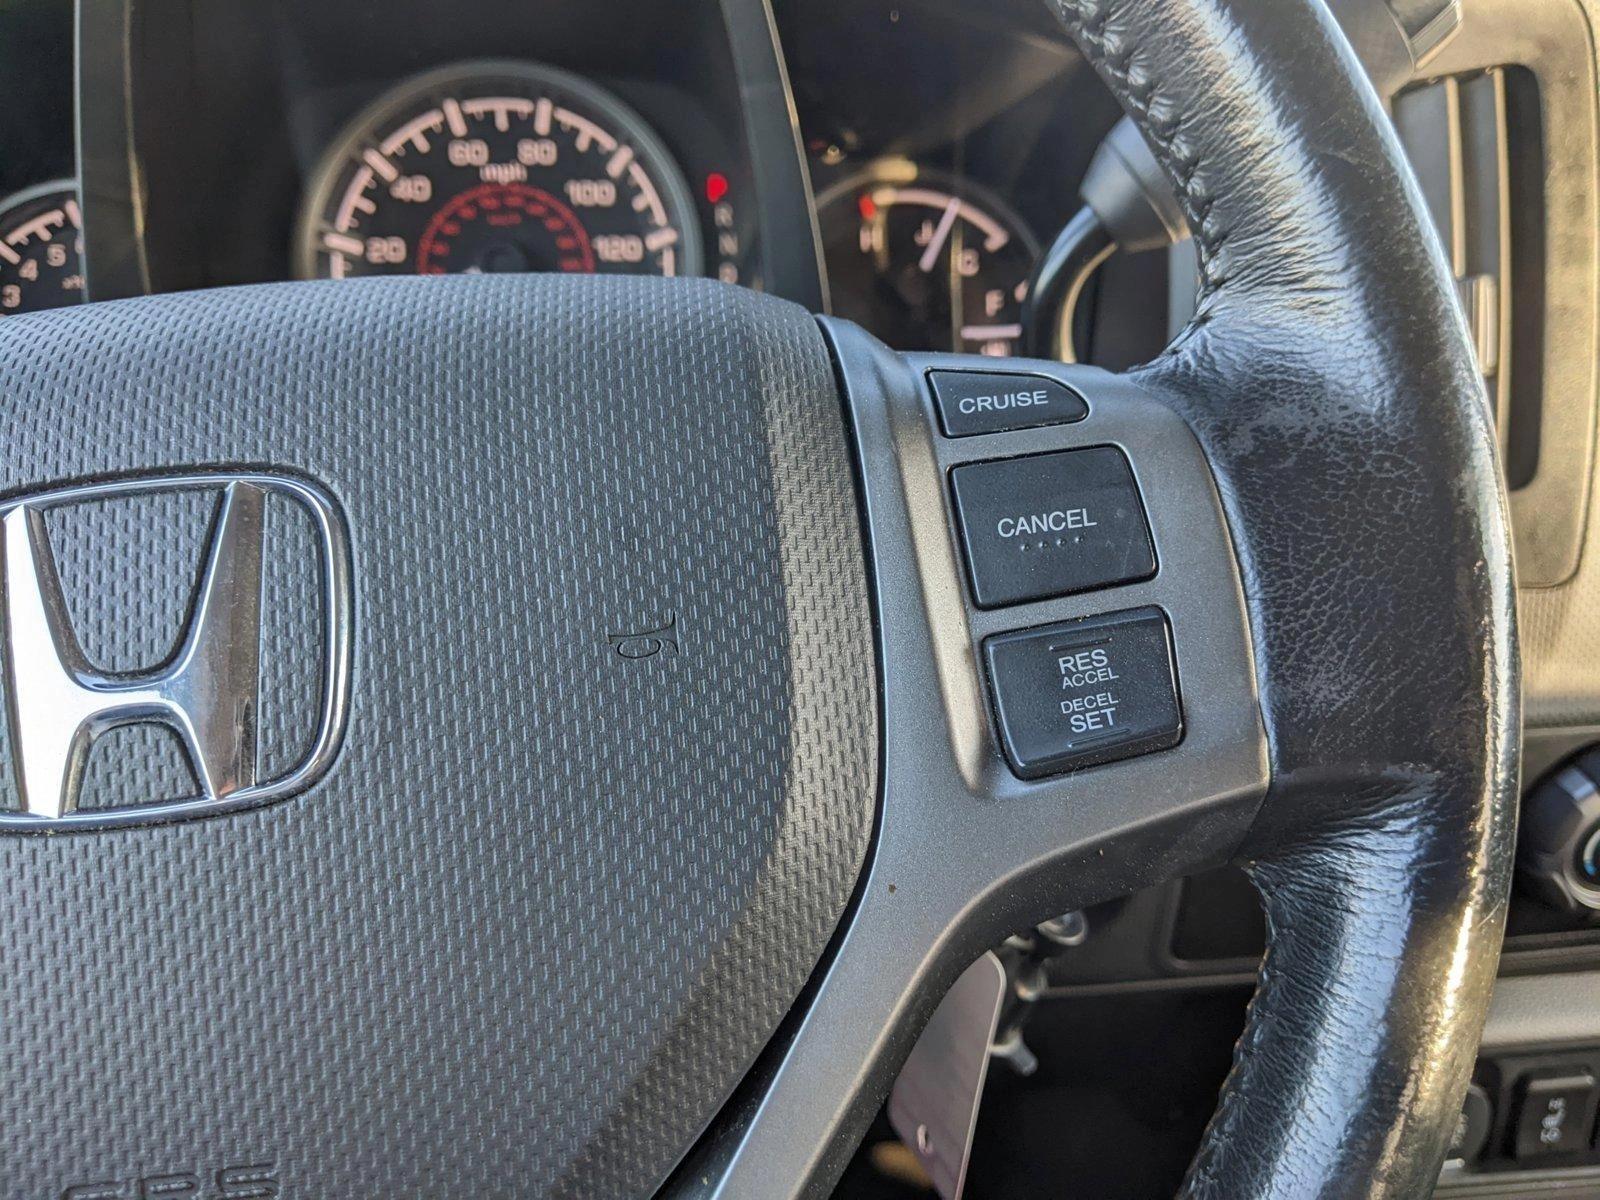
[(41, 249), (497, 167)]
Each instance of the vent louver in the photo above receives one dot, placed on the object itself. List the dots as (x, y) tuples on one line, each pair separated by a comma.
[(1455, 133)]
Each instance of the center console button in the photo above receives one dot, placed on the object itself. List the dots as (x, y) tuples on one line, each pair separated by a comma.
[(1556, 1116)]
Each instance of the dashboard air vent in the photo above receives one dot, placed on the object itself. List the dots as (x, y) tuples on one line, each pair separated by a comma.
[(1477, 157)]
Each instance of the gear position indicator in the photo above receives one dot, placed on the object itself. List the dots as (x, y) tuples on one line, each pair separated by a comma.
[(1085, 692)]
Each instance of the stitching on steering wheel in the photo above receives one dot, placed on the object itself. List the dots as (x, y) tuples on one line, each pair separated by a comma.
[(1089, 21)]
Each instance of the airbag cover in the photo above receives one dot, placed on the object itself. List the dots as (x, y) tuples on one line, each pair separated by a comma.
[(609, 772)]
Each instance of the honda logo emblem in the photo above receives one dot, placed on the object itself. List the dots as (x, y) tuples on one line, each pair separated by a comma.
[(207, 693)]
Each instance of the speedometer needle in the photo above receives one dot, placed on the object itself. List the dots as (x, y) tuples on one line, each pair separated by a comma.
[(930, 256)]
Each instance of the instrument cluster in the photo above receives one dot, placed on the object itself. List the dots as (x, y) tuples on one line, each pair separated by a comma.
[(498, 166), (41, 238), (899, 162), (303, 139)]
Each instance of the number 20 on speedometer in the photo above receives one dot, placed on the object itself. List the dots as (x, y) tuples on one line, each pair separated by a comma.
[(497, 167)]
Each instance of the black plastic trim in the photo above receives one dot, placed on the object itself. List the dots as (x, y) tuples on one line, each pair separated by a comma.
[(786, 222)]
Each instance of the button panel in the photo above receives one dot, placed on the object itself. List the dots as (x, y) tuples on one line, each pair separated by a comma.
[(1529, 1110), (1084, 692), (971, 402), (1051, 524)]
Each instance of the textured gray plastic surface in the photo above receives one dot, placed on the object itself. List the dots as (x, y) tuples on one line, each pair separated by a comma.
[(550, 901)]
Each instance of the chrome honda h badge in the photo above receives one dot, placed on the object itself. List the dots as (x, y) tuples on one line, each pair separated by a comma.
[(58, 703)]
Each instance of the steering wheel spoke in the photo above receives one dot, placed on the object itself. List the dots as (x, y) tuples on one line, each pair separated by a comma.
[(1032, 762)]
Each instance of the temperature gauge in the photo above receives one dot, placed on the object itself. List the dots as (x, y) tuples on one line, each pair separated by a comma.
[(41, 249), (926, 261)]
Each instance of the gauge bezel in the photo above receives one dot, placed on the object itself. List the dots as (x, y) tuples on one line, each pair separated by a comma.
[(37, 191), (903, 172), (404, 98)]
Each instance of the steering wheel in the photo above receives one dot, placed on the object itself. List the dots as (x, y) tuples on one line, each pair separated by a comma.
[(659, 791)]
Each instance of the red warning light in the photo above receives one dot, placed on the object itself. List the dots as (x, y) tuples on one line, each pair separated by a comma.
[(716, 186), (868, 207)]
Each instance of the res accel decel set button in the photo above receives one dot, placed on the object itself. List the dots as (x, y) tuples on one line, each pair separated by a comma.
[(1556, 1115), (1085, 692)]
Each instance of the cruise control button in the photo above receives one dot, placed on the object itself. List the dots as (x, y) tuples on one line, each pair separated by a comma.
[(1051, 524), (1084, 692), (972, 402), (1556, 1115)]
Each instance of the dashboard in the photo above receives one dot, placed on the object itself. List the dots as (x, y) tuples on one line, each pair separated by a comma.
[(234, 142), (901, 163)]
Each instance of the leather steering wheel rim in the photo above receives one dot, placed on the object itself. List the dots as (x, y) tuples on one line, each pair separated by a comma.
[(1327, 343)]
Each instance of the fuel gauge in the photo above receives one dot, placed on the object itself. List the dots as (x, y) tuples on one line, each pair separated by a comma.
[(925, 260), (41, 249)]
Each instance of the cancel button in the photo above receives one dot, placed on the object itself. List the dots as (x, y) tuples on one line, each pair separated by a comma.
[(1051, 524), (1084, 692)]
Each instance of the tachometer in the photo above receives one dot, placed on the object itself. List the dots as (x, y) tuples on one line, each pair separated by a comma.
[(497, 166), (41, 249), (926, 261)]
